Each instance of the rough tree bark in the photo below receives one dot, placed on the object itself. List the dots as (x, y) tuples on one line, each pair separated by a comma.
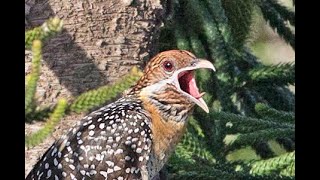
[(101, 41)]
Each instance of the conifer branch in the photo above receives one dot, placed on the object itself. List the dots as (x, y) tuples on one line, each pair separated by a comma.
[(217, 12), (209, 172), (276, 22), (280, 98), (205, 174), (34, 76), (286, 101), (38, 137), (242, 124), (248, 99), (280, 74), (289, 170), (213, 130), (263, 149), (197, 129), (192, 146), (230, 58), (265, 167), (39, 113), (239, 15), (287, 143), (185, 169), (197, 45), (100, 96), (258, 136), (280, 116), (229, 55), (249, 60), (285, 13), (47, 30)]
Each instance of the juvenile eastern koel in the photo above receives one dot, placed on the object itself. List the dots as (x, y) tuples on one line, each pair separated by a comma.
[(132, 137)]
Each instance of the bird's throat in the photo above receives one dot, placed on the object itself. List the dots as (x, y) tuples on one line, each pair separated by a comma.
[(166, 135), (188, 84)]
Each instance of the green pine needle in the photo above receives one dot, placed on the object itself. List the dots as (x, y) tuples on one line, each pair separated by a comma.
[(265, 167), (280, 74), (289, 170), (192, 147), (242, 124), (277, 97), (100, 96), (196, 45), (39, 113), (285, 13), (33, 76), (47, 30), (241, 140), (277, 22), (239, 14), (38, 137), (280, 116)]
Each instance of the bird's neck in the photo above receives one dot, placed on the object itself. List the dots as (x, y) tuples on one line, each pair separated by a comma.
[(167, 101), (168, 111), (166, 134)]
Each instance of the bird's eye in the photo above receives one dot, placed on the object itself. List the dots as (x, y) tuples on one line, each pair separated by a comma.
[(168, 66)]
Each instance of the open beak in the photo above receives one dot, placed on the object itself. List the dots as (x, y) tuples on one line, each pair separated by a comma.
[(186, 83)]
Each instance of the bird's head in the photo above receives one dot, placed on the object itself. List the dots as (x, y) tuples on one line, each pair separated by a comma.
[(168, 81)]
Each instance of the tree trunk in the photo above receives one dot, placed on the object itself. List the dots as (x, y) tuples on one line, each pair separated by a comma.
[(100, 42)]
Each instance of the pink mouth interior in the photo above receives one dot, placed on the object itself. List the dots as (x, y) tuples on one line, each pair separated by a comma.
[(188, 84)]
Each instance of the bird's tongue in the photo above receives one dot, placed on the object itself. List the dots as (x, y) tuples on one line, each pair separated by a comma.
[(192, 87), (188, 84)]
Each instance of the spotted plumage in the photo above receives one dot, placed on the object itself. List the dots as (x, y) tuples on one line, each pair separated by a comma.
[(132, 137), (106, 144)]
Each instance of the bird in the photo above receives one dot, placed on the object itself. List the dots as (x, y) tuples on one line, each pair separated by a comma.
[(132, 137)]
